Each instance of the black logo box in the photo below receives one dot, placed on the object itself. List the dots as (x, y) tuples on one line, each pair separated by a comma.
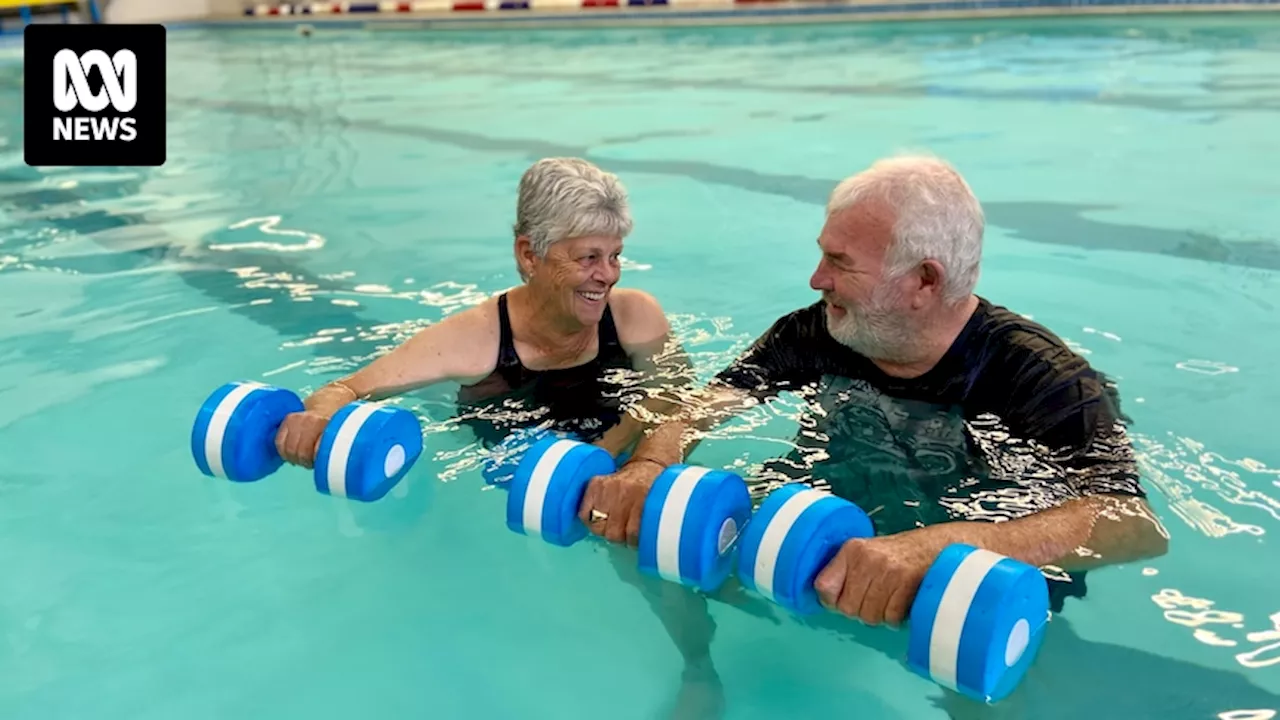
[(40, 115)]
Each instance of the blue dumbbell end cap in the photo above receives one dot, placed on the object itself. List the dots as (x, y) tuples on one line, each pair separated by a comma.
[(234, 435), (691, 523), (365, 450), (793, 536), (548, 487), (977, 622)]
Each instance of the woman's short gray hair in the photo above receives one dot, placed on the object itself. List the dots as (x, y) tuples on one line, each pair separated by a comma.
[(562, 198), (936, 215)]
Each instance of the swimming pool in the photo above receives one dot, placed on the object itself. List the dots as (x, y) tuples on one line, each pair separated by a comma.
[(325, 197)]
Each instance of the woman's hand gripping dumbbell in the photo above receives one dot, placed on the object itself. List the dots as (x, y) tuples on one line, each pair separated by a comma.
[(613, 507), (245, 431)]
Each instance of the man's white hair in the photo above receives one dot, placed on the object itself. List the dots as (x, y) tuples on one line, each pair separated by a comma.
[(562, 198), (936, 215)]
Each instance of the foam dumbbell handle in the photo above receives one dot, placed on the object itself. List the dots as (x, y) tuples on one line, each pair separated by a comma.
[(548, 488), (793, 536), (234, 435), (977, 622), (365, 450), (690, 523)]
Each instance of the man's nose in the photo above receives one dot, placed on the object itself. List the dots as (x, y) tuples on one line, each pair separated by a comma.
[(821, 279)]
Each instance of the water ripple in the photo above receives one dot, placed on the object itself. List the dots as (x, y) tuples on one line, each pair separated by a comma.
[(1184, 465), (1206, 367), (270, 226), (1193, 612)]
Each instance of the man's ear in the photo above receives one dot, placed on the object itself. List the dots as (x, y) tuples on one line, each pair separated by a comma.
[(932, 278)]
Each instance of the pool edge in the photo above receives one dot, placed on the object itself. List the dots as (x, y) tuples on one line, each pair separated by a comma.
[(663, 16)]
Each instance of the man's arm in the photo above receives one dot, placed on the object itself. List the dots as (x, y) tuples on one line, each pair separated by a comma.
[(690, 414), (876, 579), (780, 358), (1107, 521), (657, 358), (771, 363), (620, 496), (1081, 534)]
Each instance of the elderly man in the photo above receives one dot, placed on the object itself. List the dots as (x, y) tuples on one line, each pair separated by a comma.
[(938, 411)]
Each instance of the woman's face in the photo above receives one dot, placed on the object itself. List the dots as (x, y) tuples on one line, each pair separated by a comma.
[(577, 275)]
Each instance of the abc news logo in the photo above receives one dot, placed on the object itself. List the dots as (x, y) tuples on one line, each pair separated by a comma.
[(71, 91), (94, 95)]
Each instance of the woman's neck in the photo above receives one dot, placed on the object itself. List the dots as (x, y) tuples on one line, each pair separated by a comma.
[(544, 326)]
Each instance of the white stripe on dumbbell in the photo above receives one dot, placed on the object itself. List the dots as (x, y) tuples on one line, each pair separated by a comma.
[(217, 429), (336, 477), (774, 535), (671, 522), (535, 495), (953, 608)]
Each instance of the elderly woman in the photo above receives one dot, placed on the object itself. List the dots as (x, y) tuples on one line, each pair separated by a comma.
[(565, 345), (550, 342)]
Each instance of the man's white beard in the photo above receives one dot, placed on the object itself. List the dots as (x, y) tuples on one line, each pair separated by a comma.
[(876, 330)]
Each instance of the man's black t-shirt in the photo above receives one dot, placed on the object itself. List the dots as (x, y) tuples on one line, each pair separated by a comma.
[(1011, 421)]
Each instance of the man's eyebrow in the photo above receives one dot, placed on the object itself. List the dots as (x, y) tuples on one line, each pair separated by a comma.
[(836, 255)]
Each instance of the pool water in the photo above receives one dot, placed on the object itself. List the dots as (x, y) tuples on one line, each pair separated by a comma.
[(326, 197)]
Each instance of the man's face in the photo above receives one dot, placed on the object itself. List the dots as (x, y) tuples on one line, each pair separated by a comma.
[(864, 310)]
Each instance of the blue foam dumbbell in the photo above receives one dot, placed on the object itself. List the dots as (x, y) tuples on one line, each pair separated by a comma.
[(499, 467), (978, 618), (689, 525), (365, 450)]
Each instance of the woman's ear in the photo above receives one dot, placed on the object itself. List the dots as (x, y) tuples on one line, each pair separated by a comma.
[(525, 256)]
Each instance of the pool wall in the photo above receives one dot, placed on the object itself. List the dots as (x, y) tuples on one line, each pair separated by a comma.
[(406, 14)]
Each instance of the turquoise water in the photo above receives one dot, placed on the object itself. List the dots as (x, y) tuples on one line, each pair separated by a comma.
[(325, 198)]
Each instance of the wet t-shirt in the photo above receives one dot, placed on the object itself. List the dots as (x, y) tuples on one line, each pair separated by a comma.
[(1009, 422)]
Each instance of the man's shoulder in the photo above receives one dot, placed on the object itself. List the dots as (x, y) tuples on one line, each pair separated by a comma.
[(1008, 335), (794, 349), (806, 322), (1037, 377)]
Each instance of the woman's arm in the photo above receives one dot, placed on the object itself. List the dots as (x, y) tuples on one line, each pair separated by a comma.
[(461, 348)]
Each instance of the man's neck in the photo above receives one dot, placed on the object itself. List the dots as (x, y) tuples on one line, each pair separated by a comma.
[(937, 338)]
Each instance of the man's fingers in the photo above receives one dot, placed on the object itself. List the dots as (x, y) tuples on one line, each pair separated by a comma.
[(857, 581), (879, 589), (282, 442), (830, 581), (898, 606), (315, 447), (298, 445)]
